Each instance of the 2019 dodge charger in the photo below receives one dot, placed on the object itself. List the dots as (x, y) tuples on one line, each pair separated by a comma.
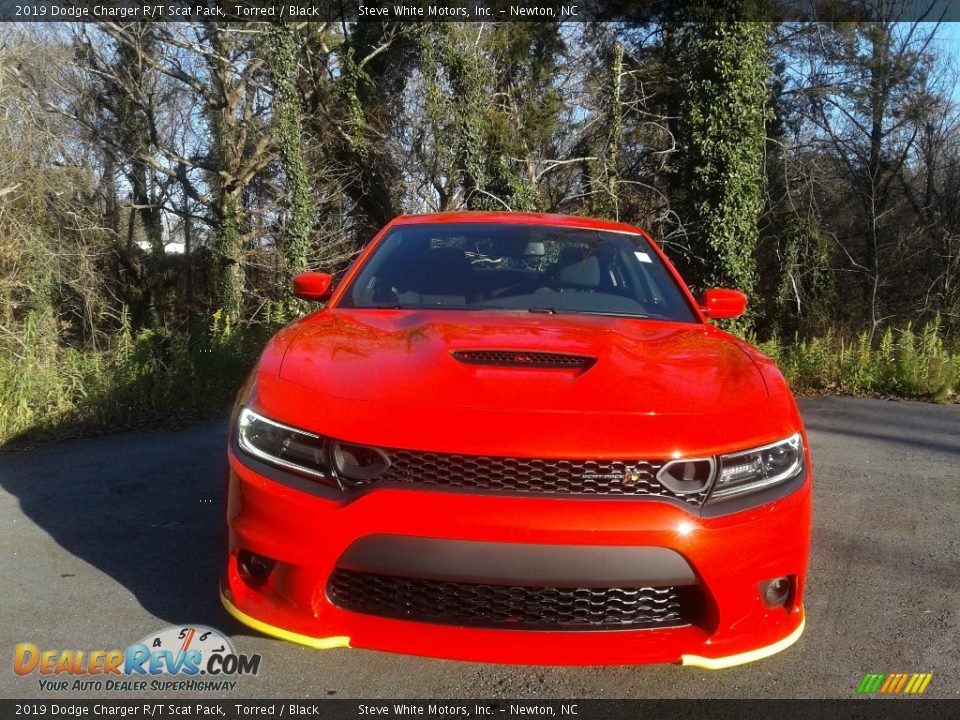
[(518, 438)]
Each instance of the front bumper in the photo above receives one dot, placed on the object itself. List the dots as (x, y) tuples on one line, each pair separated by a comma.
[(308, 536)]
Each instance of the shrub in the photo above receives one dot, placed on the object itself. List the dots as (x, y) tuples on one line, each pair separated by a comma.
[(152, 377), (900, 363)]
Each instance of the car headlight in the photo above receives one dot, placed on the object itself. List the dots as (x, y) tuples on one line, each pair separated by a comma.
[(277, 444), (757, 469)]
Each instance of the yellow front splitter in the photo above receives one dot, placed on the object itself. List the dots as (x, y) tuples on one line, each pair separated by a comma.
[(745, 657), (327, 643), (341, 641)]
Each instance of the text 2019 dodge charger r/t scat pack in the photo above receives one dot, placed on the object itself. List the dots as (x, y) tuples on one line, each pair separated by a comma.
[(516, 438)]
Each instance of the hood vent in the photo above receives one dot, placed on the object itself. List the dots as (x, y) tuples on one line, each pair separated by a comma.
[(524, 358)]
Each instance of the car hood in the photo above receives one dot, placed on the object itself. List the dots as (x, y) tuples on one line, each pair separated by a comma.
[(406, 357)]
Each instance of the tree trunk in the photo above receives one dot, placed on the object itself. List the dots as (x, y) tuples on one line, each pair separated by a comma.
[(227, 208), (723, 123), (288, 134)]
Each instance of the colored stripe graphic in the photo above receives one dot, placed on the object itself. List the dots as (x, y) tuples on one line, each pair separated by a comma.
[(894, 683), (890, 682), (870, 683), (923, 679)]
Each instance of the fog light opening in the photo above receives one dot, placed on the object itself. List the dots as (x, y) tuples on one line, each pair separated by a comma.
[(253, 568), (777, 592)]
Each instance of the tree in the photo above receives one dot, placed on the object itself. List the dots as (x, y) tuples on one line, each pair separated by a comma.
[(121, 113), (288, 123), (868, 96), (605, 175), (726, 89), (490, 112)]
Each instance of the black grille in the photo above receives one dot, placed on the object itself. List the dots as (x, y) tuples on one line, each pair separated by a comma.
[(522, 358), (512, 607), (524, 475)]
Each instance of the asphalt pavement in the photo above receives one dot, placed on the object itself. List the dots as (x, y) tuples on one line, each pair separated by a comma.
[(105, 540)]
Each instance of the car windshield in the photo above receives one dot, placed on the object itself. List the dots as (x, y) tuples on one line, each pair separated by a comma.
[(534, 268)]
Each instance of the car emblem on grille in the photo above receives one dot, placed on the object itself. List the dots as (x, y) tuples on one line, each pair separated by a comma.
[(628, 476), (601, 476)]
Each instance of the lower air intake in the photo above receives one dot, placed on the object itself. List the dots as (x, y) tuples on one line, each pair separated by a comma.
[(512, 607)]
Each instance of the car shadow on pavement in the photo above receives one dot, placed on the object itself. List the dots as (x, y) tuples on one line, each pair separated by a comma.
[(144, 508)]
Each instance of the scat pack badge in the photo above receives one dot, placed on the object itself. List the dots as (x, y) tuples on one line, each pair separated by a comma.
[(177, 658)]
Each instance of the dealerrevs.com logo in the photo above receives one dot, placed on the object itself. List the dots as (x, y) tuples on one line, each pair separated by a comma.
[(178, 658)]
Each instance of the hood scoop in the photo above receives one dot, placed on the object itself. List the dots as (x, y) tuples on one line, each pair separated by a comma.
[(525, 359)]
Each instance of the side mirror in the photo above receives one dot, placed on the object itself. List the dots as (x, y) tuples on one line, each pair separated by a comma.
[(312, 285), (721, 303)]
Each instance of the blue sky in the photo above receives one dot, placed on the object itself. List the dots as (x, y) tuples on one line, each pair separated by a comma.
[(948, 38)]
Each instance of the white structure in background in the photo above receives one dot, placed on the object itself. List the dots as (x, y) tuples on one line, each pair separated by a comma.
[(171, 248)]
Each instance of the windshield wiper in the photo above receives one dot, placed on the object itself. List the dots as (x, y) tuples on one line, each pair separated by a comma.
[(398, 306), (612, 313), (536, 310), (570, 311)]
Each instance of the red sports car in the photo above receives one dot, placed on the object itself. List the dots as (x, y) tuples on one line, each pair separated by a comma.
[(517, 438)]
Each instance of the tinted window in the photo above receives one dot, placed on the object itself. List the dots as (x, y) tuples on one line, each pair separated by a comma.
[(517, 267)]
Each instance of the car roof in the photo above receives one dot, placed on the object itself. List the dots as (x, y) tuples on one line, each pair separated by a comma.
[(524, 218)]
